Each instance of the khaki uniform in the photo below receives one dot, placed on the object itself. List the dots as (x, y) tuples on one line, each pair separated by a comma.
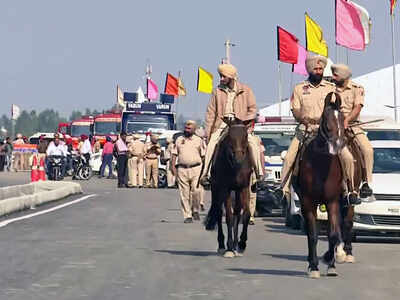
[(189, 152), (240, 103), (152, 151), (309, 100), (253, 196), (18, 156), (352, 94), (168, 155), (135, 163)]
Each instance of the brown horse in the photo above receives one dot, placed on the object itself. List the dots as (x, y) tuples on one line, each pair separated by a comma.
[(320, 182), (230, 173)]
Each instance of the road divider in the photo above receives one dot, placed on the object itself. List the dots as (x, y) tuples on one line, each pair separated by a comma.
[(20, 197)]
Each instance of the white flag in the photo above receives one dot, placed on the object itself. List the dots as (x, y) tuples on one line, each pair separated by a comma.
[(15, 112), (140, 98), (365, 21), (120, 97)]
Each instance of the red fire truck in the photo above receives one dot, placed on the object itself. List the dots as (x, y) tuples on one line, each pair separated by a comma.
[(108, 124)]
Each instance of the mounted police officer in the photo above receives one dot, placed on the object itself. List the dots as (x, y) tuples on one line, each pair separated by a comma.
[(231, 99), (307, 104), (352, 96)]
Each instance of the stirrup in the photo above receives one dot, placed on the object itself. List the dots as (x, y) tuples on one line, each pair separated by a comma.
[(353, 199), (259, 185)]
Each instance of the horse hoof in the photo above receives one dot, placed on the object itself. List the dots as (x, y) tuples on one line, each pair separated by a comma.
[(331, 272), (238, 254), (221, 251), (229, 254), (340, 256), (314, 274), (350, 259)]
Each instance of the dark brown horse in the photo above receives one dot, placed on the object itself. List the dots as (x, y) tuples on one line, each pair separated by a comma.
[(320, 182), (230, 174)]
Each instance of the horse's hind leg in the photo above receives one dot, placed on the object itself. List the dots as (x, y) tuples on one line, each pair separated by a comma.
[(347, 231), (244, 199), (309, 212)]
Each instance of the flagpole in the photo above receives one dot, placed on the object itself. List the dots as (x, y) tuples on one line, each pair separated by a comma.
[(394, 69), (279, 88)]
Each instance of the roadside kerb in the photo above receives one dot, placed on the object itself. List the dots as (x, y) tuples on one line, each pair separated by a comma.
[(20, 197)]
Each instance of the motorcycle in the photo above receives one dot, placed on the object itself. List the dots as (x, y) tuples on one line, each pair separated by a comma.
[(55, 163), (82, 169)]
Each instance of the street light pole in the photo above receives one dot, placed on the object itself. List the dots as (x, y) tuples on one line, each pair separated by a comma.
[(228, 46)]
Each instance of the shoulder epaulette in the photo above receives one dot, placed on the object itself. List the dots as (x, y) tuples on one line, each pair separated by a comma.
[(356, 85), (329, 83)]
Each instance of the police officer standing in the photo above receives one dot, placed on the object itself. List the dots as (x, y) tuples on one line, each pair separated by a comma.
[(135, 163), (152, 152), (189, 150)]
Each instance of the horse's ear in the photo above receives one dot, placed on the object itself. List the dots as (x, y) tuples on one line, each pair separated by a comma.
[(328, 99), (338, 102)]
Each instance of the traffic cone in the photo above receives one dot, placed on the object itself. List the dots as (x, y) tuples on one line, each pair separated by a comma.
[(34, 170), (42, 173)]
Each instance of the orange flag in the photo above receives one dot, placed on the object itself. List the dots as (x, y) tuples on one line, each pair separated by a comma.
[(171, 85)]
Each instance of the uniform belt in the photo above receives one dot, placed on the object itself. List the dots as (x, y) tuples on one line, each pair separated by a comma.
[(122, 153), (188, 166), (151, 157)]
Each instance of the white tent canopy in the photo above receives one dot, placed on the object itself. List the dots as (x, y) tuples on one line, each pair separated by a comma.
[(378, 87)]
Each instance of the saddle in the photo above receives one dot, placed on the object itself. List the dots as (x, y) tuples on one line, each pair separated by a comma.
[(305, 140), (351, 144)]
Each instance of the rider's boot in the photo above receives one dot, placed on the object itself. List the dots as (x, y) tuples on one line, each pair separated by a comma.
[(353, 198), (365, 191)]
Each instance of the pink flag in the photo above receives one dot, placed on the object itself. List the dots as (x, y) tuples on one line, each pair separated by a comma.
[(300, 67), (152, 89), (349, 30)]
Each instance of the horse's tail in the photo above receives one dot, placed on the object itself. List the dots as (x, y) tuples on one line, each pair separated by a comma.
[(214, 214)]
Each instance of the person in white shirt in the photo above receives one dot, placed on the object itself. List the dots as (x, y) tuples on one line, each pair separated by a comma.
[(56, 148), (86, 149)]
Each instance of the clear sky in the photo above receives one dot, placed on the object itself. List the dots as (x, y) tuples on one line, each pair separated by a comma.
[(71, 54)]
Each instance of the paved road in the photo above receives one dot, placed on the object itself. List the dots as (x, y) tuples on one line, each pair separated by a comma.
[(132, 244)]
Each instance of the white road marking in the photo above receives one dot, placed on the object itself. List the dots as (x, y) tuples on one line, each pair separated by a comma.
[(9, 221)]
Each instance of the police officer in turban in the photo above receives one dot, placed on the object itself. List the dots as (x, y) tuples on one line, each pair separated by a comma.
[(231, 99)]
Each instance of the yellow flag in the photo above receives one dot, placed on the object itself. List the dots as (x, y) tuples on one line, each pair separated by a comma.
[(181, 88), (314, 38), (204, 81)]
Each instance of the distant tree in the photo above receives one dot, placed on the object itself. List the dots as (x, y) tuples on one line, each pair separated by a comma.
[(75, 114)]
